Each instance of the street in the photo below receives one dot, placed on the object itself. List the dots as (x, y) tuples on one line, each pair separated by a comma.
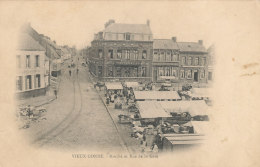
[(77, 119)]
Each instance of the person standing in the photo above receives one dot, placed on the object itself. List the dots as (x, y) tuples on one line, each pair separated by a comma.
[(55, 93), (70, 72)]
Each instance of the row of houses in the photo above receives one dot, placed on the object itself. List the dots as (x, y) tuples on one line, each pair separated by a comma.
[(38, 62), (128, 52)]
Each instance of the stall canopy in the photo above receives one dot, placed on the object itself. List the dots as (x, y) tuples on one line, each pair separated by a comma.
[(114, 86), (185, 139), (131, 84), (149, 109), (196, 107), (201, 127), (201, 92), (156, 95)]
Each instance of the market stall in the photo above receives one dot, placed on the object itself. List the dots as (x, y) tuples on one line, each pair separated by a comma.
[(172, 142), (133, 85), (150, 111), (194, 108), (156, 95), (201, 93), (113, 86)]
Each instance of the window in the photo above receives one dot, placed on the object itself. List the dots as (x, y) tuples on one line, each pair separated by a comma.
[(210, 76), (119, 54), (38, 81), (118, 71), (203, 62), (110, 71), (182, 74), (168, 56), (28, 82), (135, 55), (196, 61), (37, 62), (143, 71), (162, 56), (202, 74), (190, 61), (127, 54), (155, 56), (100, 53), (188, 74), (144, 55), (183, 60), (110, 54), (167, 71), (127, 36), (175, 57), (19, 83), (173, 72), (28, 61), (161, 71), (18, 61)]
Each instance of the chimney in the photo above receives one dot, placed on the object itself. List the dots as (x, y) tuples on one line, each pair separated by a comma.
[(100, 35), (111, 21), (200, 42), (148, 22), (174, 39)]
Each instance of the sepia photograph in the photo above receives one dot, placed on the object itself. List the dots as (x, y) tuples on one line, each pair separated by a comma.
[(140, 83)]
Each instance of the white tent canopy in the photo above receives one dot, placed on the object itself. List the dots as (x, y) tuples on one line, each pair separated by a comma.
[(201, 92), (114, 86), (196, 107), (131, 84), (156, 95), (149, 109), (201, 127)]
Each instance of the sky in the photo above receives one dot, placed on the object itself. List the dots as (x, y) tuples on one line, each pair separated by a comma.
[(74, 23)]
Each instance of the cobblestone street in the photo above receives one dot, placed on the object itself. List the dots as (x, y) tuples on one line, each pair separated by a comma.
[(77, 120)]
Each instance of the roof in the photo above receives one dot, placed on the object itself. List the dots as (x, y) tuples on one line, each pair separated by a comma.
[(165, 44), (191, 47), (201, 92), (195, 107), (154, 95), (26, 42), (184, 139), (131, 84), (65, 50), (149, 109), (128, 28), (114, 85), (201, 127)]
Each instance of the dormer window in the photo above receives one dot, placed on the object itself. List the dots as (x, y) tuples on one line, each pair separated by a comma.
[(127, 36)]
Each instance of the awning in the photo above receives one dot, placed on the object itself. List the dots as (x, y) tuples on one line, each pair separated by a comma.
[(201, 92), (185, 139), (201, 127), (168, 77), (195, 107), (131, 84), (149, 109), (156, 95), (114, 86)]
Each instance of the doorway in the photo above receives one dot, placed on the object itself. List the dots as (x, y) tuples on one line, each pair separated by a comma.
[(196, 78)]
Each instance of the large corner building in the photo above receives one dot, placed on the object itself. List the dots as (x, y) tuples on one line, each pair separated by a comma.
[(122, 52)]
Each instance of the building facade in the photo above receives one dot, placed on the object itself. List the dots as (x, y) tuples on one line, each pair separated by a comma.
[(166, 60), (122, 52), (193, 62), (32, 76)]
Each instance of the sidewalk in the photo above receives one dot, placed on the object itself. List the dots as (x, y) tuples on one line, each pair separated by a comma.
[(37, 101), (125, 130)]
